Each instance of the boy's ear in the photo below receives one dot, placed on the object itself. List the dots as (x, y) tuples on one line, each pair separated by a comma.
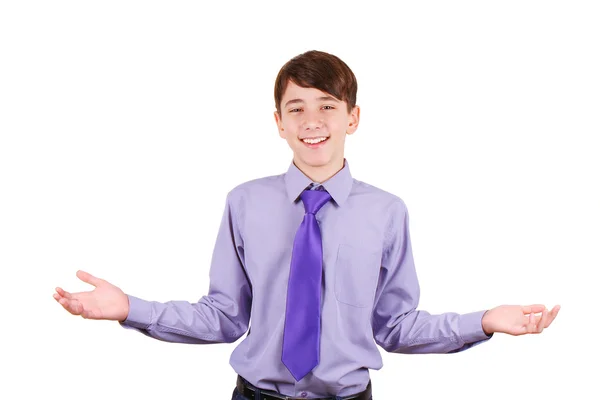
[(279, 124), (353, 120)]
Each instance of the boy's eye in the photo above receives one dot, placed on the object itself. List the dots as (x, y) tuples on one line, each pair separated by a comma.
[(295, 110)]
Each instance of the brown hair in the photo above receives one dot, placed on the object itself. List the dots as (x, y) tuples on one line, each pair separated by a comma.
[(319, 70)]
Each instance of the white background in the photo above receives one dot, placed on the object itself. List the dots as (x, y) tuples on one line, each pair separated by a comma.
[(124, 124)]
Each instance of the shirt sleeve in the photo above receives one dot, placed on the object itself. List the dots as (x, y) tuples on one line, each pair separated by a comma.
[(398, 327), (222, 316)]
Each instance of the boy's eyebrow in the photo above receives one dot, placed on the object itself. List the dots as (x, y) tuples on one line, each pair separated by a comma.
[(322, 98), (328, 98)]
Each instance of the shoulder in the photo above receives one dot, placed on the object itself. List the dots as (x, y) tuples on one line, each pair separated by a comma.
[(267, 185), (379, 198)]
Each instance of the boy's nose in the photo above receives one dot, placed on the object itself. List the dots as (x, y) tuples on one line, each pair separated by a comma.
[(312, 121)]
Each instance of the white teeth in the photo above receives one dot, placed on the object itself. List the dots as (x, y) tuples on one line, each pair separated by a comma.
[(314, 140)]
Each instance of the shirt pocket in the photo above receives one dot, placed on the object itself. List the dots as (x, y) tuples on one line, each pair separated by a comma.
[(356, 275)]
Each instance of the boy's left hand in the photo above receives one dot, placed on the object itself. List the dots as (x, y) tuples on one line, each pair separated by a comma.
[(518, 320)]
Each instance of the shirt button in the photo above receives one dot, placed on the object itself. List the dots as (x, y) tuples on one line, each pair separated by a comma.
[(303, 394)]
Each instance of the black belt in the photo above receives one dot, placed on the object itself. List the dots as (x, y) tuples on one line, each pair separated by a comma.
[(246, 389)]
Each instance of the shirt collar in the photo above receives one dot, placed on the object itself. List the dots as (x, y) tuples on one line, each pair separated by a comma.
[(338, 186)]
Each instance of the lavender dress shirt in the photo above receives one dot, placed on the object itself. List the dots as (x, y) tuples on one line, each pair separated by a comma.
[(370, 288)]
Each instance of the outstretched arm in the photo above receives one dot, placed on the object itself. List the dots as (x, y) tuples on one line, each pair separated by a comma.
[(400, 328), (221, 316)]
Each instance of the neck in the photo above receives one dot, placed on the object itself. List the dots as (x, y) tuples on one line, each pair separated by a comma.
[(321, 173)]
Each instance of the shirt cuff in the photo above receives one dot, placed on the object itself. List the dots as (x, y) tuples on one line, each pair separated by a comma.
[(140, 313), (470, 328)]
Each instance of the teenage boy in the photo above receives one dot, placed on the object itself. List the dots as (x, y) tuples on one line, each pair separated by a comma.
[(322, 263)]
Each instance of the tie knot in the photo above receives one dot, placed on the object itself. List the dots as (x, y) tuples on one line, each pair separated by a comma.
[(314, 199)]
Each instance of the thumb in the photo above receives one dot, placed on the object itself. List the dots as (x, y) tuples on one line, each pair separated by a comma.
[(88, 278)]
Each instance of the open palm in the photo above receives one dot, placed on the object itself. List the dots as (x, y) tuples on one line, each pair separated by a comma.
[(519, 320), (106, 301)]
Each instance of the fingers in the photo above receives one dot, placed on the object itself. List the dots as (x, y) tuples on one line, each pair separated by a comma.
[(72, 306), (534, 308), (75, 307), (68, 301), (88, 278), (63, 293), (69, 295), (74, 302), (551, 315), (531, 323), (537, 324), (542, 323)]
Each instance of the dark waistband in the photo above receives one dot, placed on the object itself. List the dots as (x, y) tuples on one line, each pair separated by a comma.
[(248, 390)]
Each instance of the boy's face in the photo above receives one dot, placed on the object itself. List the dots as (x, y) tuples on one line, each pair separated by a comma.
[(315, 125)]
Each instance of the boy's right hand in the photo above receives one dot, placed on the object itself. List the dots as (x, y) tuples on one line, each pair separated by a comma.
[(106, 301)]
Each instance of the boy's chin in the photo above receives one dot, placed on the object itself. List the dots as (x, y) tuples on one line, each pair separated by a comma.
[(317, 162)]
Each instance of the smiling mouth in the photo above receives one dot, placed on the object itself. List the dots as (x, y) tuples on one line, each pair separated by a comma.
[(314, 140)]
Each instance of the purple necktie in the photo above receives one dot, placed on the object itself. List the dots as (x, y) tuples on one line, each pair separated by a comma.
[(303, 310)]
